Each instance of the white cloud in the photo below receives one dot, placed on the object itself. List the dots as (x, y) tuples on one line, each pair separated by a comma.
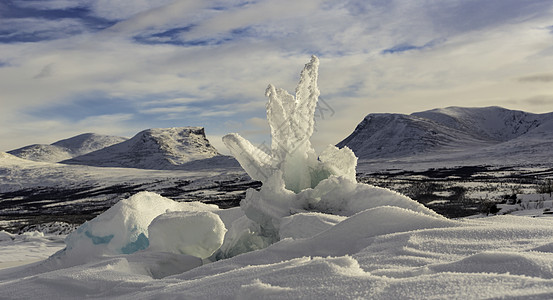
[(123, 9), (537, 78)]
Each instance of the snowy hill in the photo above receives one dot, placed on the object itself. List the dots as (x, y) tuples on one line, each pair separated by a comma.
[(161, 148), (470, 135), (490, 123), (67, 148), (7, 159)]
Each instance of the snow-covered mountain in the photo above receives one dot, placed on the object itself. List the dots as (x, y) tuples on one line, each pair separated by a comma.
[(67, 148), (455, 133), (487, 123), (159, 148)]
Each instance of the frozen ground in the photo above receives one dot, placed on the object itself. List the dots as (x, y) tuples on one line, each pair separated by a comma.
[(468, 190)]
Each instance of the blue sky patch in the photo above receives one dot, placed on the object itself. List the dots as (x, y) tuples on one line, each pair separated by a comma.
[(408, 47), (88, 106), (400, 48), (27, 24), (171, 36)]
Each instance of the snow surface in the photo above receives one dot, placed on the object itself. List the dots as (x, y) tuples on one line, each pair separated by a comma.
[(22, 249), (381, 253), (311, 232)]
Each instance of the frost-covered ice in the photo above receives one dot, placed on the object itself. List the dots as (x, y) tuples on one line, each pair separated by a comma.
[(198, 234), (131, 224), (311, 232)]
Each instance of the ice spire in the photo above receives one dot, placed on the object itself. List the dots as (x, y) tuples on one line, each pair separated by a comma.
[(292, 122), (295, 179)]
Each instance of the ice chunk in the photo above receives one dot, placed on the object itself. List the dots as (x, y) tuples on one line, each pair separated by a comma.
[(341, 162), (244, 236), (198, 234), (254, 161), (123, 229)]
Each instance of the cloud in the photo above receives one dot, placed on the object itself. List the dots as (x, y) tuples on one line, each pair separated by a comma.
[(537, 78), (465, 16), (45, 72), (539, 100)]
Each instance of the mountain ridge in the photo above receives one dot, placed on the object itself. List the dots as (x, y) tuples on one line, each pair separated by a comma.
[(155, 148), (66, 148), (456, 132)]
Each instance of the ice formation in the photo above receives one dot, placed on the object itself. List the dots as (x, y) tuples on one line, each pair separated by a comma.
[(295, 179), (132, 225)]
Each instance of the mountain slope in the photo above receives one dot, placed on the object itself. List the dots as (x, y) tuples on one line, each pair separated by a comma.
[(161, 148), (455, 133), (67, 148), (491, 123), (88, 142), (397, 135)]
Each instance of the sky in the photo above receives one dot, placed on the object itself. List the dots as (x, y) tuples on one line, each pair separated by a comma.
[(117, 67)]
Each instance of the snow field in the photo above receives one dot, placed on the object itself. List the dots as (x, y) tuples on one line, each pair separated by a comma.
[(379, 253)]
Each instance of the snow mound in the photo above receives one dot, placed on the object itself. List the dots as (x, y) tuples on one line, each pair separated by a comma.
[(6, 236), (528, 264), (304, 225)]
